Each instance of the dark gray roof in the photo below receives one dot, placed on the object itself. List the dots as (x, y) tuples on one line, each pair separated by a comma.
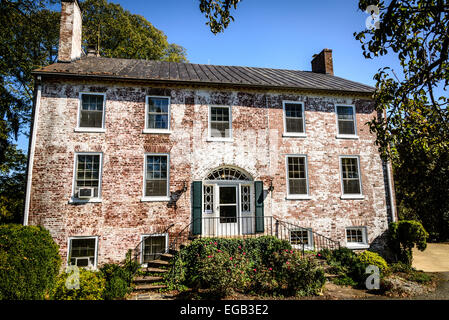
[(190, 73)]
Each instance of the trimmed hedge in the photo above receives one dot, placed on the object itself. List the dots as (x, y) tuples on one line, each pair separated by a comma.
[(92, 286), (29, 262)]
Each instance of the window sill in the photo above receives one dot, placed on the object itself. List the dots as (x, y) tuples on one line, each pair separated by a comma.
[(357, 246), (347, 136), (156, 131), (294, 135), (92, 130), (154, 199), (92, 200), (352, 197), (219, 140), (298, 197)]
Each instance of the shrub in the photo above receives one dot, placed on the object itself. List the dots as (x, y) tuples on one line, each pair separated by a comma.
[(29, 262), (403, 236), (117, 281), (372, 258), (91, 286)]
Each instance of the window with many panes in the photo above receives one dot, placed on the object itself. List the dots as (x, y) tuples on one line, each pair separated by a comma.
[(153, 247), (350, 174), (156, 175), (297, 175), (293, 118), (158, 113), (220, 122), (356, 236), (208, 195), (87, 182), (83, 252), (91, 114), (301, 237), (346, 120)]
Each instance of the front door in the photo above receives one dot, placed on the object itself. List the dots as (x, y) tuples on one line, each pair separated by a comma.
[(228, 224)]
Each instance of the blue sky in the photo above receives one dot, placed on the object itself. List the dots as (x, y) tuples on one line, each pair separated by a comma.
[(266, 33)]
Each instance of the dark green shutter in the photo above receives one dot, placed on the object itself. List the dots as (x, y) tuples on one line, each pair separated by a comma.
[(258, 190), (197, 206)]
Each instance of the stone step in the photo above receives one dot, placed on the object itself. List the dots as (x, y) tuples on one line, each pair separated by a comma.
[(147, 279), (166, 256), (145, 287), (330, 276), (158, 263), (155, 270)]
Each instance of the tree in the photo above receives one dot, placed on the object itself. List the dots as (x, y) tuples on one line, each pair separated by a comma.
[(119, 34), (218, 12), (414, 131)]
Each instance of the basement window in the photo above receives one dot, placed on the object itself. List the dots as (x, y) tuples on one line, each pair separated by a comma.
[(83, 252), (356, 237), (294, 120), (91, 112), (153, 246), (301, 237)]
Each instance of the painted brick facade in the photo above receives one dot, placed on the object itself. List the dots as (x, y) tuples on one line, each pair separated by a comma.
[(258, 147)]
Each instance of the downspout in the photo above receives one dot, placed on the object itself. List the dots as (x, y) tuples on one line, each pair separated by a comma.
[(32, 147)]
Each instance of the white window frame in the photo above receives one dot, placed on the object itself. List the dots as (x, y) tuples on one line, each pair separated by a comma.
[(91, 129), (355, 196), (155, 198), (100, 178), (357, 245), (310, 246), (346, 136), (297, 196), (142, 244), (294, 134), (209, 136), (147, 108), (69, 249)]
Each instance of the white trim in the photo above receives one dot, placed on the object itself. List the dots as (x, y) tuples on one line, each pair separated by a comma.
[(100, 178), (225, 139), (145, 198), (294, 134), (31, 155), (390, 188), (103, 118), (143, 244), (346, 136), (357, 245), (311, 244), (147, 107), (350, 195), (69, 248), (293, 196)]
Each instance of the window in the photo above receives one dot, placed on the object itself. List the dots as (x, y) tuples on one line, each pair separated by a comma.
[(153, 246), (350, 174), (297, 184), (220, 123), (83, 252), (91, 113), (301, 237), (157, 117), (346, 121), (156, 177), (245, 198), (356, 237), (293, 118), (208, 194), (87, 182)]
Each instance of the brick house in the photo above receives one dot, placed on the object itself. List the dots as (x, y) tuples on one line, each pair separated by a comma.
[(128, 150)]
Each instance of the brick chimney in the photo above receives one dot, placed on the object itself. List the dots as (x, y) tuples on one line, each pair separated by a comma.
[(322, 62), (70, 31)]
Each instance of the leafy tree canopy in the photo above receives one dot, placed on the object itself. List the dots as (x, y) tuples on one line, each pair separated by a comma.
[(219, 13)]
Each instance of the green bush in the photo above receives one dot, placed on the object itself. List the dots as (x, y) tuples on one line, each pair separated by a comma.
[(403, 236), (117, 281), (91, 286), (372, 258), (29, 262)]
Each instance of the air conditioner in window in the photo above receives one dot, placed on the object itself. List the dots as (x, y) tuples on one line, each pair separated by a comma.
[(85, 193)]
